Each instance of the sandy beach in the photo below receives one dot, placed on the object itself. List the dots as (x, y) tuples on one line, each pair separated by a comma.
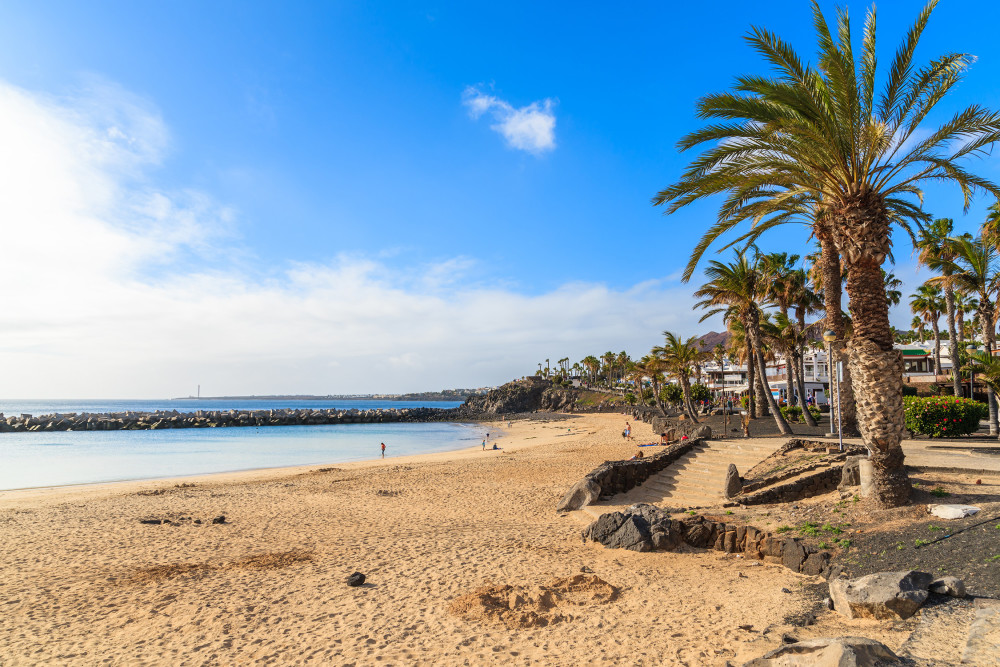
[(84, 581)]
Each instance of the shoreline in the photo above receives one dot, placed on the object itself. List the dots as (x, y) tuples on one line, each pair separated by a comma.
[(250, 474)]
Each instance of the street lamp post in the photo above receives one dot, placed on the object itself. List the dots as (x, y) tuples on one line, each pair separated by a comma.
[(829, 336), (971, 349)]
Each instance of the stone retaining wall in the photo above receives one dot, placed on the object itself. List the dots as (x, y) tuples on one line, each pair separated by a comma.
[(795, 471), (620, 476), (804, 487)]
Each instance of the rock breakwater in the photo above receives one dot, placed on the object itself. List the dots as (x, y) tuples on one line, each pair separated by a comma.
[(139, 421)]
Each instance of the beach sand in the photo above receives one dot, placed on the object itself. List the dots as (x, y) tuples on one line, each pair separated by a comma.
[(83, 581)]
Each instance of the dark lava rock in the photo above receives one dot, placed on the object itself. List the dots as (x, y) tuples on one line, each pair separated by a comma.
[(734, 486), (356, 579), (219, 519), (151, 522)]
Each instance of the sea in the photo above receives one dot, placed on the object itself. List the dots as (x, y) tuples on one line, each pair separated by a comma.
[(41, 459)]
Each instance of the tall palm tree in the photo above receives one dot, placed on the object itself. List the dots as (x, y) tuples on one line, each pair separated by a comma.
[(936, 251), (652, 366), (741, 350), (975, 270), (928, 304), (823, 137), (804, 301), (965, 304), (918, 325), (680, 357), (741, 287)]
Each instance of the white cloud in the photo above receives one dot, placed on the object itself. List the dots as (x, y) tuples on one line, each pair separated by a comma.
[(115, 288), (530, 128)]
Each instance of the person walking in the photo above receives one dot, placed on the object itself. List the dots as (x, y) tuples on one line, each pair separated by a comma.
[(383, 450)]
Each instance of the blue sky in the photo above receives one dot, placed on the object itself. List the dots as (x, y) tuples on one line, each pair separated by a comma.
[(374, 196)]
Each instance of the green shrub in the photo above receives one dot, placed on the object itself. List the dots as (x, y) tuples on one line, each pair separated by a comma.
[(700, 392), (815, 412), (630, 398), (909, 390), (792, 413), (943, 416), (671, 393)]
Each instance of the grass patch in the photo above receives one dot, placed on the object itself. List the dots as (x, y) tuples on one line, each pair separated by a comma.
[(939, 493)]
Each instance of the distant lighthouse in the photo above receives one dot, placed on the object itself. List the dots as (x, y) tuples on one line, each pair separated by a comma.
[(199, 391)]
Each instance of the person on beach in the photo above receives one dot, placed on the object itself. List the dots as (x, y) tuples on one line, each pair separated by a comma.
[(628, 431), (383, 450), (484, 444)]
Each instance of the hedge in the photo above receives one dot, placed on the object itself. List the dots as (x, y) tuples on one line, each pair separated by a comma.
[(943, 416)]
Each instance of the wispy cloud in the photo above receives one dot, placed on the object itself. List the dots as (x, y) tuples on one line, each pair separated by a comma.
[(114, 287), (530, 128)]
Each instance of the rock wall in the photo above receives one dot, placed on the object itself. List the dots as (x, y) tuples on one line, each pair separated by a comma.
[(648, 528), (613, 477), (804, 487), (129, 421)]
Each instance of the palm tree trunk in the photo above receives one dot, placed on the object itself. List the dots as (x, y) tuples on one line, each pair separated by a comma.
[(937, 348), (800, 315), (779, 419), (688, 405), (830, 261), (877, 370), (986, 317), (959, 320), (656, 398), (751, 388), (953, 347), (801, 385)]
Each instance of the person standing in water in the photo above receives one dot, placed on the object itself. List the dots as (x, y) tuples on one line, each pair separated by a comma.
[(383, 450)]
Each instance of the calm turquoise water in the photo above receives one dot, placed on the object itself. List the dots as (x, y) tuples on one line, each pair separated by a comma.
[(50, 459), (46, 407)]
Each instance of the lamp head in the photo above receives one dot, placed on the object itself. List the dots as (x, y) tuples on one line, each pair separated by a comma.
[(971, 349), (829, 336)]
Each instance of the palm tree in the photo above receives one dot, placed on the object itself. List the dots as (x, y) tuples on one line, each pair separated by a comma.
[(964, 305), (928, 304), (822, 138), (593, 365), (804, 301), (680, 357), (741, 350), (936, 251), (652, 366), (892, 284), (739, 289), (974, 270), (918, 325)]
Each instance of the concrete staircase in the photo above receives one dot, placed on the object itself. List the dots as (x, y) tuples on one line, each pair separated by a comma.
[(694, 480)]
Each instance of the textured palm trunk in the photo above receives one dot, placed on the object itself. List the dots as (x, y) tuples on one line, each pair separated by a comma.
[(989, 338), (791, 389), (959, 322), (937, 347), (688, 404), (953, 346), (751, 388), (800, 315), (779, 419), (763, 404), (830, 261), (877, 368), (656, 398)]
